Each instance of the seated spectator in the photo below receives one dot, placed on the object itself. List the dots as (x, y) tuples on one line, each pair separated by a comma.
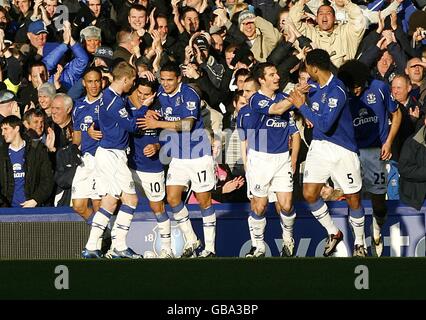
[(26, 176)]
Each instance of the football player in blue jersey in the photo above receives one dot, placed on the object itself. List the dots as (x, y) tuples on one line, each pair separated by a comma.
[(269, 163), (144, 162), (372, 107), (85, 114), (186, 142), (113, 176), (333, 151)]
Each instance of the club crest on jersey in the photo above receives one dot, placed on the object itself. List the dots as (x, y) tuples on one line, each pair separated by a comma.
[(332, 102), (88, 119), (315, 106), (191, 105), (123, 113), (263, 103), (371, 98)]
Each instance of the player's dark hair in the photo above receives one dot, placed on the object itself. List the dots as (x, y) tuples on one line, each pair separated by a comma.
[(319, 58), (171, 67), (92, 69), (145, 83), (259, 70), (354, 74)]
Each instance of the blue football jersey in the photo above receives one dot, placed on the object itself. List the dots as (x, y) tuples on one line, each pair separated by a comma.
[(17, 159), (138, 141), (115, 121), (370, 113), (185, 103), (271, 132), (86, 113), (327, 108)]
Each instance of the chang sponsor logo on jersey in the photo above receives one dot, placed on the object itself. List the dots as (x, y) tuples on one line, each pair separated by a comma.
[(363, 118), (276, 124)]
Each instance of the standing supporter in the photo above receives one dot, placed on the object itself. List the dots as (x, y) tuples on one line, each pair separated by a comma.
[(26, 177)]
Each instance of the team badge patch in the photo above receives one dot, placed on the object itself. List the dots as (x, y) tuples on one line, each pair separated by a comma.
[(371, 98), (263, 103), (123, 113), (332, 102), (191, 105)]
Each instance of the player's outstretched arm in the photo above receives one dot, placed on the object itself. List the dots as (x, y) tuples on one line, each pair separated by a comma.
[(280, 107), (183, 125)]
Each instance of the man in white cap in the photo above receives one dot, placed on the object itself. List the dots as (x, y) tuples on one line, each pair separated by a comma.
[(90, 38)]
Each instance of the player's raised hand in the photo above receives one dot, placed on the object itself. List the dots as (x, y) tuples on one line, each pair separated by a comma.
[(297, 98), (148, 101)]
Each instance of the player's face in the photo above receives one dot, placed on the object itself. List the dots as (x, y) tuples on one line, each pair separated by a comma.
[(271, 79), (325, 18), (249, 89), (142, 93), (9, 133), (93, 84), (312, 71), (170, 81)]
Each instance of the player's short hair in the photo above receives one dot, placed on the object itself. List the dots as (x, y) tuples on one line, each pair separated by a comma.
[(92, 69), (252, 79), (123, 70), (319, 58), (171, 67), (259, 70), (354, 74), (145, 83)]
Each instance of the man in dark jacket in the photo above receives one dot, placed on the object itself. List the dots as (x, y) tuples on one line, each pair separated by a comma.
[(412, 169), (26, 176)]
